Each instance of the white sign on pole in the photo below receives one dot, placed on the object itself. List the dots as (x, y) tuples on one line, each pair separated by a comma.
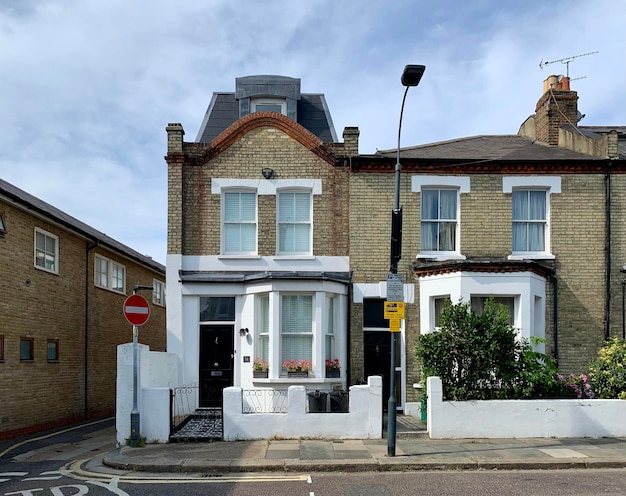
[(395, 287)]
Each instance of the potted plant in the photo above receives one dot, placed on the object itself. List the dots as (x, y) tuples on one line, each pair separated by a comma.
[(332, 368), (259, 368), (297, 368)]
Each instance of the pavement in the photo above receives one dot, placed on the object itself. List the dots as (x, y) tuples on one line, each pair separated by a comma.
[(414, 450)]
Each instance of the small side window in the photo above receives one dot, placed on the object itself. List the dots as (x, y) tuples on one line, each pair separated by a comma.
[(1, 348), (53, 350), (27, 349), (3, 226)]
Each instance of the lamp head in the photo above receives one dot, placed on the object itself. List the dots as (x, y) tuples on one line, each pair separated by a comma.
[(412, 75)]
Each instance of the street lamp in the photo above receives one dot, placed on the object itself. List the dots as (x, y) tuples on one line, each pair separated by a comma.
[(410, 77)]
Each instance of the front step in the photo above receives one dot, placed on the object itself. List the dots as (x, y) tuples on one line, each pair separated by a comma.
[(204, 425)]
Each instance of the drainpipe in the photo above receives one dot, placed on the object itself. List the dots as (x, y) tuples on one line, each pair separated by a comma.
[(607, 252), (86, 351), (623, 306), (555, 316)]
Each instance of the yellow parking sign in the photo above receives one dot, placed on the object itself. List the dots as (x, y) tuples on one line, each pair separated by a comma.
[(394, 325), (394, 310)]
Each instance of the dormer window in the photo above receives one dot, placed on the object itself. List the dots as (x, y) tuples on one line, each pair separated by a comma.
[(278, 105)]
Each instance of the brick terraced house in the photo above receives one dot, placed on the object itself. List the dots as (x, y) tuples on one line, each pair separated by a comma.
[(62, 289), (279, 238)]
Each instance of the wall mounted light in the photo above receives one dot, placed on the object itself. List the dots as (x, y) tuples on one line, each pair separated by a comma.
[(267, 172), (244, 331)]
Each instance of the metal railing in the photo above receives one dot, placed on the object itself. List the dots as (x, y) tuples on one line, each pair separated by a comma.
[(264, 401), (188, 420)]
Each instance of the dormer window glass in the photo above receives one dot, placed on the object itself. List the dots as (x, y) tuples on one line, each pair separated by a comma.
[(278, 105)]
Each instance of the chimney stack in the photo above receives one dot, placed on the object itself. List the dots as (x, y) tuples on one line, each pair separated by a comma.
[(557, 107), (351, 140)]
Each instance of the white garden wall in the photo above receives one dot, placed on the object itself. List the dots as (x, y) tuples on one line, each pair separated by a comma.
[(522, 418), (363, 421)]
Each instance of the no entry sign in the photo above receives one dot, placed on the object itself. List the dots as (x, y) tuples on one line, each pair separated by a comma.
[(136, 310)]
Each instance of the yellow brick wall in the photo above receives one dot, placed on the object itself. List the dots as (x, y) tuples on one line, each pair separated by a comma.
[(40, 305)]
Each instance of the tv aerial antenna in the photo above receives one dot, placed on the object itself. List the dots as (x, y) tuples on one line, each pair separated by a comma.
[(565, 61)]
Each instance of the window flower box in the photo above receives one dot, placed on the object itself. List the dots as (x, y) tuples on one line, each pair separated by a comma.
[(259, 374), (332, 368), (298, 373), (297, 368)]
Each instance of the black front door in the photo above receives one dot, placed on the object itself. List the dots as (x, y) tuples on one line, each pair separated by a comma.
[(378, 358), (216, 363)]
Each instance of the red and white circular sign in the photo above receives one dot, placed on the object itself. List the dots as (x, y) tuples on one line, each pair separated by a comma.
[(136, 310)]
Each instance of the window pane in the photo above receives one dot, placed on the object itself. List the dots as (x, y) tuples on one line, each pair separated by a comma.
[(53, 350), (302, 237), (26, 349), (217, 308), (430, 204), (374, 313), (535, 237), (267, 107), (537, 202), (520, 238), (118, 278), (231, 207), (448, 204), (447, 236), (102, 272), (302, 205), (520, 205), (248, 238)]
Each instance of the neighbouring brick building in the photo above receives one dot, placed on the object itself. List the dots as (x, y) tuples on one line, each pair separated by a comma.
[(279, 238), (62, 289)]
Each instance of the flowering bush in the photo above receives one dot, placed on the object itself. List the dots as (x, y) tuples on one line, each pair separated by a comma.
[(260, 365), (294, 365), (332, 364), (578, 384), (607, 372)]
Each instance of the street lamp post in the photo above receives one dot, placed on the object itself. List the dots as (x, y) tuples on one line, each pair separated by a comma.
[(410, 77)]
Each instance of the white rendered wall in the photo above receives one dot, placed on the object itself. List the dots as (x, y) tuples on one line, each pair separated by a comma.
[(157, 372), (494, 419), (364, 420), (527, 287)]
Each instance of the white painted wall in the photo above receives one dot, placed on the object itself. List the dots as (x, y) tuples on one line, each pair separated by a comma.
[(157, 372), (522, 418), (364, 420)]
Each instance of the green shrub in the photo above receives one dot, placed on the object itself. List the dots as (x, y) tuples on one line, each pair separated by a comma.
[(482, 357), (607, 373)]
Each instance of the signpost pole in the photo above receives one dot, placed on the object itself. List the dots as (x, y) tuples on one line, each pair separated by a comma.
[(134, 414), (137, 312)]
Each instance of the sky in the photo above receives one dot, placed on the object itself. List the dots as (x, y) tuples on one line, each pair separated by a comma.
[(87, 87)]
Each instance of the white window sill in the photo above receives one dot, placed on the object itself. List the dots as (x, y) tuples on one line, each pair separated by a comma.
[(294, 257), (238, 257), (298, 380), (531, 256), (440, 257)]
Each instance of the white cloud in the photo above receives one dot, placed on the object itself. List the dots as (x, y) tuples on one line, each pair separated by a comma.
[(87, 87)]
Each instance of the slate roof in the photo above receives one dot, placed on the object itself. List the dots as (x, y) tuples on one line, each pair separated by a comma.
[(40, 207), (487, 147), (312, 114)]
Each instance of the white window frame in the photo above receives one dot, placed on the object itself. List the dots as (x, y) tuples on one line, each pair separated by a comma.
[(527, 288), (49, 255), (330, 345), (281, 102), (551, 185), (435, 315), (111, 274), (310, 334), (289, 221), (461, 184), (158, 292), (239, 222)]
